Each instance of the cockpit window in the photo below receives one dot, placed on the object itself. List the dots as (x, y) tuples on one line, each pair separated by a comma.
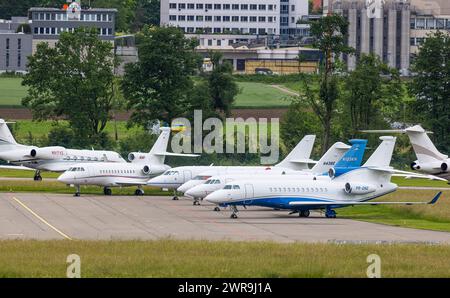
[(236, 187), (216, 181), (228, 186)]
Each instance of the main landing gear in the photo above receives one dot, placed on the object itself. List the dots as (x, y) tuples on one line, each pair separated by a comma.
[(139, 192), (175, 197), (196, 202), (77, 191), (235, 210), (107, 191), (329, 213), (217, 209), (303, 213), (37, 176)]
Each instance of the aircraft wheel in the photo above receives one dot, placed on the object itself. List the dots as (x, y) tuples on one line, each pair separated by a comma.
[(330, 214), (107, 191), (196, 203), (139, 192), (234, 216), (304, 213), (175, 198), (37, 178), (217, 209), (77, 194)]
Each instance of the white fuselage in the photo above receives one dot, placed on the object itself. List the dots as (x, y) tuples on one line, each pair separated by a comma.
[(111, 174), (436, 167), (55, 159), (218, 182), (176, 177), (280, 192)]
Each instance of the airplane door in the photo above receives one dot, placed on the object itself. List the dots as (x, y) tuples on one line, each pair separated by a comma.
[(187, 176), (249, 192)]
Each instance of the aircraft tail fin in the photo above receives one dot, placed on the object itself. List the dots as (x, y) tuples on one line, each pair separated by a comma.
[(423, 146), (299, 157), (353, 157), (160, 146), (382, 156), (5, 133), (330, 158)]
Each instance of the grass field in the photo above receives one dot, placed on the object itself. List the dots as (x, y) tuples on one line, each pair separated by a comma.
[(259, 95), (253, 95), (11, 91), (52, 186), (171, 258)]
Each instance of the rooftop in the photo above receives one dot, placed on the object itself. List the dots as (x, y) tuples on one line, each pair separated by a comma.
[(47, 9)]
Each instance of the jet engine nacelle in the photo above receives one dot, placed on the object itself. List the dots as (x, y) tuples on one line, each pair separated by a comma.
[(155, 169), (55, 152), (433, 167), (338, 171), (137, 156), (358, 188), (444, 167), (415, 166)]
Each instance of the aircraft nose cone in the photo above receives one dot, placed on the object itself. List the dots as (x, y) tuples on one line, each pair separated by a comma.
[(183, 188), (155, 181), (63, 178), (213, 198), (192, 193)]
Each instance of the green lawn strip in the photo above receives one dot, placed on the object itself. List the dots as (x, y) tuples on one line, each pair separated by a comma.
[(176, 258), (395, 216), (57, 187), (400, 181), (260, 95), (12, 92)]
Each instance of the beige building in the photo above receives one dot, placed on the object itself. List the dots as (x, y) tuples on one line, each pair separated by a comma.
[(392, 29)]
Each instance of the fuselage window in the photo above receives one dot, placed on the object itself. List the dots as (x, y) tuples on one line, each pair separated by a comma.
[(236, 187)]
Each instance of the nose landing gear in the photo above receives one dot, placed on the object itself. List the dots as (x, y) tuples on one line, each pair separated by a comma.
[(235, 210), (107, 191), (139, 192), (37, 176)]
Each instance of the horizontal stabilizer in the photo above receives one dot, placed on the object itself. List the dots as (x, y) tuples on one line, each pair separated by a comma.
[(400, 173), (175, 154), (307, 161), (355, 203)]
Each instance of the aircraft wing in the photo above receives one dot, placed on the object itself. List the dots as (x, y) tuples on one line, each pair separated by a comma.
[(16, 168), (129, 182), (308, 161), (355, 203), (176, 154)]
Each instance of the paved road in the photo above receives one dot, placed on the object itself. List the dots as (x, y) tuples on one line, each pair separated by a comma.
[(58, 216)]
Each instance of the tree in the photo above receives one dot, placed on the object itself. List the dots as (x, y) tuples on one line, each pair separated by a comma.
[(73, 80), (146, 12), (222, 87), (159, 84), (430, 86), (330, 38), (373, 93)]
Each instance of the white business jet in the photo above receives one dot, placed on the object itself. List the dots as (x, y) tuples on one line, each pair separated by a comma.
[(429, 159), (328, 160), (356, 187), (297, 159), (137, 172), (54, 158)]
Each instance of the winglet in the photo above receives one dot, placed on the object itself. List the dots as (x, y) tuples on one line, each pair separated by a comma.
[(436, 198)]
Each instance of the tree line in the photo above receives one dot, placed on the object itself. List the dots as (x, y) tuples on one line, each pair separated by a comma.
[(74, 81)]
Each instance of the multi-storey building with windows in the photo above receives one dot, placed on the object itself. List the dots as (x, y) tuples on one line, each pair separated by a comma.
[(15, 45), (236, 18), (48, 23), (391, 29)]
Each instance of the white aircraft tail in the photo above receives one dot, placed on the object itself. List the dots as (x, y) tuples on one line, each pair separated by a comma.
[(330, 158), (299, 157), (382, 156), (158, 153), (423, 146), (376, 170), (5, 133)]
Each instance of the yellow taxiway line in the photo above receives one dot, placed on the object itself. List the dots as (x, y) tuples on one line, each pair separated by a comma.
[(41, 219)]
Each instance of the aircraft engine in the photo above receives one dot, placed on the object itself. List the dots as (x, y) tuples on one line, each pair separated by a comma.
[(358, 189), (146, 170), (137, 156), (415, 166), (55, 152), (444, 167)]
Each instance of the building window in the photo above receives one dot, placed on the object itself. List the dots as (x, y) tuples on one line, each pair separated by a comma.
[(190, 18), (218, 6), (173, 6), (172, 17), (191, 6), (199, 6), (199, 18), (208, 6), (262, 7), (243, 6), (19, 60), (7, 43), (253, 7), (181, 6), (226, 6), (217, 18)]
